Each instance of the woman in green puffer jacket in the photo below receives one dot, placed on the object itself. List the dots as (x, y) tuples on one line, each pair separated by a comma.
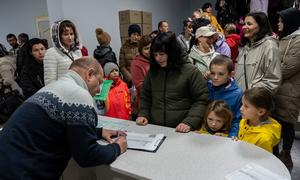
[(174, 92)]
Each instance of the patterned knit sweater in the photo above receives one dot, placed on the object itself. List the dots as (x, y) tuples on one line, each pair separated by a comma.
[(58, 122)]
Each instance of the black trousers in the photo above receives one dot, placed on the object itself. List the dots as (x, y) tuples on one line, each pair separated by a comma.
[(287, 135)]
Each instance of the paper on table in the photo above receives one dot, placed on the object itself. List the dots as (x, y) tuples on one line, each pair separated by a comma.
[(254, 171), (144, 142), (113, 125), (102, 96)]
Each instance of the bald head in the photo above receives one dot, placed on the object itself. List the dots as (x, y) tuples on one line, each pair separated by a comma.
[(91, 72), (85, 63)]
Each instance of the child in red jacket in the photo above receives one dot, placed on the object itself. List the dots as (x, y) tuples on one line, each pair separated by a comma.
[(233, 41), (118, 101)]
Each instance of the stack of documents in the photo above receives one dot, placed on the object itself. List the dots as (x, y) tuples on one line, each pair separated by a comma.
[(144, 142), (253, 171)]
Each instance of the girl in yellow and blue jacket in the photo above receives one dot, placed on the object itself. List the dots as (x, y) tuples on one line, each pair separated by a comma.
[(257, 127)]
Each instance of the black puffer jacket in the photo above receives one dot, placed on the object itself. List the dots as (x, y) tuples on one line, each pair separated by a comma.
[(104, 54), (32, 77)]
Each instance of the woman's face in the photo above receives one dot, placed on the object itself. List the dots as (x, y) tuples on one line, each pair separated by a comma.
[(250, 28), (204, 42), (188, 30), (209, 9), (135, 37), (280, 24), (196, 15), (67, 37), (161, 58), (38, 52), (146, 51)]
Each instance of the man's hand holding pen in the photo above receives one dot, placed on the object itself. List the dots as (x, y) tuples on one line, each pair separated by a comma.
[(118, 137)]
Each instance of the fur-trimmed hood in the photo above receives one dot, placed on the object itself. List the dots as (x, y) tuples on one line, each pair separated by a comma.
[(56, 40)]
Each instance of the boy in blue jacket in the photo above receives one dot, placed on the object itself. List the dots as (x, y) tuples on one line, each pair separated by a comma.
[(222, 86)]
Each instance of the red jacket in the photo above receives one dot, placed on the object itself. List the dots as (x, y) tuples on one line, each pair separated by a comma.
[(233, 41), (118, 101), (84, 51), (139, 69)]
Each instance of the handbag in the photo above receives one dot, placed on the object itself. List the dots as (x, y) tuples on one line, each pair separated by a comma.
[(10, 99)]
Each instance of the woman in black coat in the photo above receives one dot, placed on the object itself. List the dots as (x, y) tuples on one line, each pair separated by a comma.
[(32, 77)]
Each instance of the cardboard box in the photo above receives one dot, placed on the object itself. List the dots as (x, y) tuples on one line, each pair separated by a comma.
[(146, 17), (124, 29), (130, 17), (146, 29)]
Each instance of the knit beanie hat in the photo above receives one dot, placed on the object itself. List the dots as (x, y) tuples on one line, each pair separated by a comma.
[(102, 37), (108, 67), (134, 28)]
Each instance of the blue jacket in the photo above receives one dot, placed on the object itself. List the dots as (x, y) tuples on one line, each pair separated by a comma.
[(232, 94)]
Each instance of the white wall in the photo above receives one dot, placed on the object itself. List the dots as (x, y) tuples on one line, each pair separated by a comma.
[(17, 16), (87, 15), (55, 10)]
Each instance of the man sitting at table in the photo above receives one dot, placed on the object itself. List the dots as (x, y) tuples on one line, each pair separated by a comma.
[(58, 122)]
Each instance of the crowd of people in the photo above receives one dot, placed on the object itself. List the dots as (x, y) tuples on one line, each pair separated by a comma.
[(234, 75)]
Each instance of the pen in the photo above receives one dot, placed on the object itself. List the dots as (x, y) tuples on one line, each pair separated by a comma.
[(120, 133)]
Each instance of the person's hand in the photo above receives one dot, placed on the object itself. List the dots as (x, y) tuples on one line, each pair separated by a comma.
[(122, 142), (184, 128), (207, 75), (234, 138), (142, 121), (218, 134), (107, 134)]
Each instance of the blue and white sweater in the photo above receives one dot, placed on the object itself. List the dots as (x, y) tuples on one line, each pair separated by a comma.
[(57, 122)]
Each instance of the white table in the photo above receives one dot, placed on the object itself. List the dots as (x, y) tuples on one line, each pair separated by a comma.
[(183, 156)]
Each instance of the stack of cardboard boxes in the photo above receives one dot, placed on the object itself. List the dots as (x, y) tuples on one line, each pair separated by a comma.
[(128, 17)]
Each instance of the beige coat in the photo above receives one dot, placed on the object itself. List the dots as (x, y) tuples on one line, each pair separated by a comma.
[(7, 72), (262, 64), (287, 99)]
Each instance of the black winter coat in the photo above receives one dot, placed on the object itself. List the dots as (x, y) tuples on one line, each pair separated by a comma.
[(104, 54), (32, 77)]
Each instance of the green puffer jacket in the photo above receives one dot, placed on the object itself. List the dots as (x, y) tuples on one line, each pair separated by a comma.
[(171, 97)]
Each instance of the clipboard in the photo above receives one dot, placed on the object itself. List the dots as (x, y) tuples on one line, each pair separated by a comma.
[(144, 142)]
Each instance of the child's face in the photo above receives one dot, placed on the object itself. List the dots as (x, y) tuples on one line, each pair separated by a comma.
[(146, 51), (250, 112), (214, 122), (219, 74), (114, 74)]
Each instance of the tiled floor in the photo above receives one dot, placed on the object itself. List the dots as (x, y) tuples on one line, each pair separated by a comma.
[(296, 158)]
